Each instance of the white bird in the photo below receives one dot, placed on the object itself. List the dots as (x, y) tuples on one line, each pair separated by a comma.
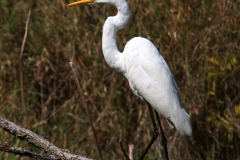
[(147, 72)]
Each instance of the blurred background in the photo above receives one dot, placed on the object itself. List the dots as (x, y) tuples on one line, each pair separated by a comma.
[(199, 39)]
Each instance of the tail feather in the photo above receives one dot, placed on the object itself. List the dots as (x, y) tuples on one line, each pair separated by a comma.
[(181, 121)]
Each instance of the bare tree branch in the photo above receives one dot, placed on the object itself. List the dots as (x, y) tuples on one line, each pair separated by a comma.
[(22, 152), (38, 141)]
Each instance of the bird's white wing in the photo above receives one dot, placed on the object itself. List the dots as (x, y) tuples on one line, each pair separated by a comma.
[(148, 73), (151, 80)]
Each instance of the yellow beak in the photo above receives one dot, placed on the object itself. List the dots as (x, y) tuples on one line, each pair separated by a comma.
[(80, 2)]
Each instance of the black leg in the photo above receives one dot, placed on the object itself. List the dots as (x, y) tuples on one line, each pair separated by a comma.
[(155, 133), (164, 140)]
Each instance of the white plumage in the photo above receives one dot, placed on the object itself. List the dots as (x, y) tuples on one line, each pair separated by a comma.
[(147, 72)]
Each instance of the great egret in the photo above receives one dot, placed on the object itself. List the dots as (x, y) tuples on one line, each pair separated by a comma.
[(147, 72)]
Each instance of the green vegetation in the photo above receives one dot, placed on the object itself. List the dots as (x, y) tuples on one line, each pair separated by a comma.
[(200, 41)]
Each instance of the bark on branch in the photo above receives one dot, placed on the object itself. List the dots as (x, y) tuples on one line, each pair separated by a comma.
[(23, 152), (44, 145)]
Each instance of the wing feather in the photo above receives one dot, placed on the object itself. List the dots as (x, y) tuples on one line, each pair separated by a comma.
[(150, 79)]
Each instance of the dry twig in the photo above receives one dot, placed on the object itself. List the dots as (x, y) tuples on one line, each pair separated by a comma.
[(130, 149), (86, 107), (20, 67), (125, 154)]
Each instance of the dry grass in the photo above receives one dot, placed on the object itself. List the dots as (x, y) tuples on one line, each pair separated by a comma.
[(199, 40)]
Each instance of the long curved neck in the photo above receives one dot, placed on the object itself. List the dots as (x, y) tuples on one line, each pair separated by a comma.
[(110, 28)]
